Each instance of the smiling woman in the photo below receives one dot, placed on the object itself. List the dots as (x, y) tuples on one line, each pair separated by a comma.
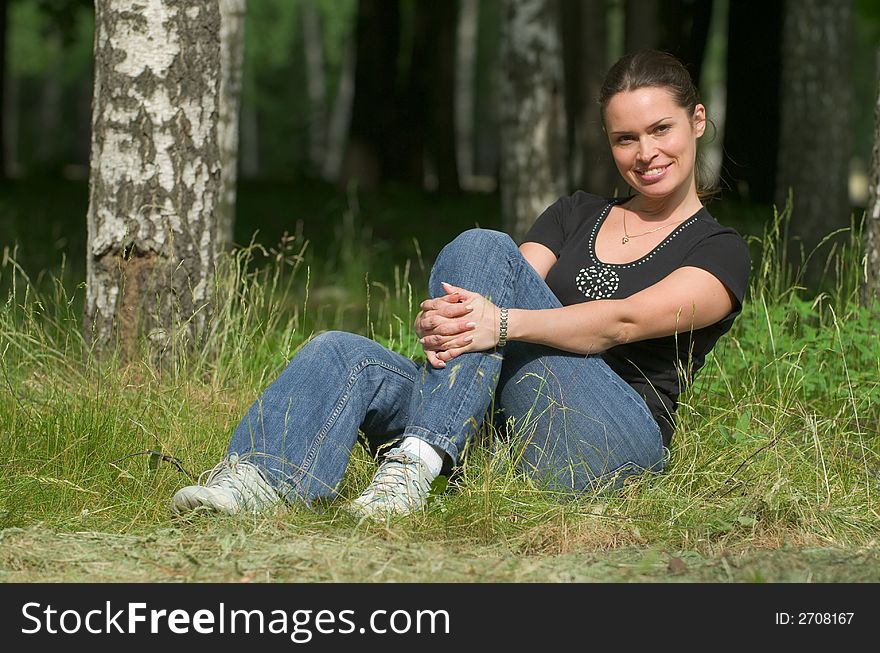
[(581, 338)]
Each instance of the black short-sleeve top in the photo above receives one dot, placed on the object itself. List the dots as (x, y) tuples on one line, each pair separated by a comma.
[(657, 368)]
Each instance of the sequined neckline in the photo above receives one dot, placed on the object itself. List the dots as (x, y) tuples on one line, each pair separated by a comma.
[(647, 257)]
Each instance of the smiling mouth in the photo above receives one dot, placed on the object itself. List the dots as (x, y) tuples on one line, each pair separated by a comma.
[(652, 172)]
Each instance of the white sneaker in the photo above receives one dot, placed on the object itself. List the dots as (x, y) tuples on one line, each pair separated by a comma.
[(401, 486), (232, 487)]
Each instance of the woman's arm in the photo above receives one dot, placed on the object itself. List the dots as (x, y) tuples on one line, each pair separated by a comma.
[(689, 298), (539, 257)]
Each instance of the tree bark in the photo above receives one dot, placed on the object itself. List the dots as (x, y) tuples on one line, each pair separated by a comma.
[(47, 154), (584, 35), (155, 179), (440, 141), (402, 150), (10, 127), (686, 26), (3, 16), (232, 13), (532, 113), (751, 119), (337, 129), (313, 48), (641, 24), (465, 77), (249, 148), (814, 136), (872, 216), (372, 120)]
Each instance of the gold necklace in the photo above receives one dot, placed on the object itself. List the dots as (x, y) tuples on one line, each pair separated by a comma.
[(626, 237)]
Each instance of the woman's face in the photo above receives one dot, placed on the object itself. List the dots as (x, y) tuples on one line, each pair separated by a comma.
[(653, 139)]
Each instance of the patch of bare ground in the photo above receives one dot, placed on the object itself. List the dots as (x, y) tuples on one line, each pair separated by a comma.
[(271, 551)]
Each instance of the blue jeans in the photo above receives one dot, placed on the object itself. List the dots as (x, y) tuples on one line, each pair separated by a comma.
[(579, 425)]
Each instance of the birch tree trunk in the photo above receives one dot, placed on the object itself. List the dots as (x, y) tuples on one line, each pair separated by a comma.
[(232, 14), (532, 112), (155, 178), (872, 217), (814, 133)]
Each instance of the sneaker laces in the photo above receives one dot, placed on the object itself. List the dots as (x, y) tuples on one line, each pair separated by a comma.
[(242, 478), (400, 475)]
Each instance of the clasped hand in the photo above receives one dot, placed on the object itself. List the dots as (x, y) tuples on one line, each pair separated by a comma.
[(457, 322)]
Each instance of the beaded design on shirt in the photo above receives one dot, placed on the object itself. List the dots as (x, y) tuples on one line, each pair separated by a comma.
[(597, 282), (600, 280)]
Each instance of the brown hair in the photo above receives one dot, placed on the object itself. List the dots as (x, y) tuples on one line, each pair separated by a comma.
[(653, 68)]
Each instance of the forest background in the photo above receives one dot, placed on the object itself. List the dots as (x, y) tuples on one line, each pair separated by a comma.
[(774, 479)]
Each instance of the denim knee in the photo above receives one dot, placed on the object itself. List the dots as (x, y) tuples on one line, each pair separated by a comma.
[(347, 346), (474, 247), (482, 243)]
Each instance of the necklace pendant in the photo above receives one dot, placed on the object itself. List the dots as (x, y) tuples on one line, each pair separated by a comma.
[(624, 240)]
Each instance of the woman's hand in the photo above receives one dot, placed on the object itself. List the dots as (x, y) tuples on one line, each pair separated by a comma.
[(445, 317), (444, 339)]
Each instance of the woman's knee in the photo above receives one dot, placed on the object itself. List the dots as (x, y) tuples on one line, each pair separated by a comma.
[(481, 243), (337, 345)]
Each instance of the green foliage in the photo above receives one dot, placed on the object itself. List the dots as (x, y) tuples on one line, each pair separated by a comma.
[(46, 38), (275, 77)]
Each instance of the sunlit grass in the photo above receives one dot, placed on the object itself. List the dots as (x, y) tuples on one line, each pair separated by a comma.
[(777, 442)]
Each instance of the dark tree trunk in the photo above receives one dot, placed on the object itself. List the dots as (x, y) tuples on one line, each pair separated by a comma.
[(814, 129), (641, 24), (403, 151), (370, 133), (751, 128), (316, 80), (685, 26), (584, 37), (49, 111), (465, 88), (441, 106), (3, 11), (340, 116)]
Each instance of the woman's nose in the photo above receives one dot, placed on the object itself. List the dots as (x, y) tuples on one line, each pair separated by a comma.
[(647, 151)]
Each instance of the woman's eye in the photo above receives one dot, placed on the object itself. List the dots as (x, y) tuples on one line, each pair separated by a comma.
[(623, 140), (662, 129)]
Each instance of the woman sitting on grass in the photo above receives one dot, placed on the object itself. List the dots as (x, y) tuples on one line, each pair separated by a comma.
[(579, 339)]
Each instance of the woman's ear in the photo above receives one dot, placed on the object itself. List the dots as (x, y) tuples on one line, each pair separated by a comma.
[(699, 120)]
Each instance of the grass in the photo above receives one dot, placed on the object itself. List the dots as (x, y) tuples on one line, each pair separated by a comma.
[(777, 444)]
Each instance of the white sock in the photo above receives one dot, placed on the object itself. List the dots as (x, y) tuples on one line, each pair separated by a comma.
[(429, 454)]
